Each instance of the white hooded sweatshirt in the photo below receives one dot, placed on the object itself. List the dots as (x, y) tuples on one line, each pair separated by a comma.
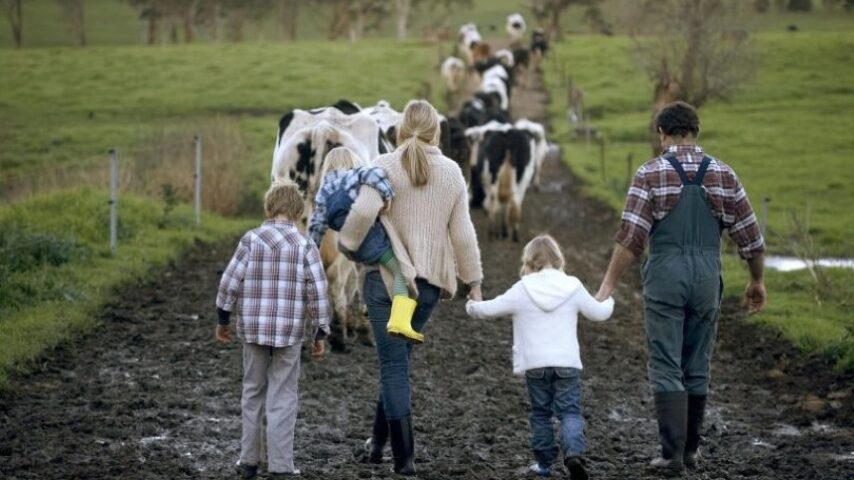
[(545, 307)]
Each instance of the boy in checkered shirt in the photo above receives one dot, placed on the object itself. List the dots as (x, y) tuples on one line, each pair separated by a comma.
[(276, 285)]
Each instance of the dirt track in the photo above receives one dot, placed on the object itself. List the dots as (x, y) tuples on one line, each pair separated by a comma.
[(151, 395)]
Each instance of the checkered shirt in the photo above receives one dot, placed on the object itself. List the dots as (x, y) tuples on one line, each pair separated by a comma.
[(277, 283), (657, 187), (349, 181)]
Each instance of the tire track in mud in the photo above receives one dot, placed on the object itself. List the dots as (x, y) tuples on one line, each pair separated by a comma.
[(149, 394)]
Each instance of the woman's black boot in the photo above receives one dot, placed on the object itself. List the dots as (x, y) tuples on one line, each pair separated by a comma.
[(402, 445)]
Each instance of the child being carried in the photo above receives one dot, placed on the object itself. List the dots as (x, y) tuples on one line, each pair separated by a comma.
[(342, 177)]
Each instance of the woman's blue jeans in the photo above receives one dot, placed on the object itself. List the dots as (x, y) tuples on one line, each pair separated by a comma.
[(555, 391), (394, 353)]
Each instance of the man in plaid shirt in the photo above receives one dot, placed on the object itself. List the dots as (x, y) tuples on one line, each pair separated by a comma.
[(680, 203), (277, 284)]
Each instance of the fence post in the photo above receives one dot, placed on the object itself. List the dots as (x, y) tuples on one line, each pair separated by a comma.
[(602, 156), (198, 179), (764, 222), (114, 199)]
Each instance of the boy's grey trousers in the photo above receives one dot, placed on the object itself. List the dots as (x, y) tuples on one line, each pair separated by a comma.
[(270, 375)]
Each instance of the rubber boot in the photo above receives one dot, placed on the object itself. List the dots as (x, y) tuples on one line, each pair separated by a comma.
[(696, 412), (671, 408), (400, 322), (402, 445), (379, 436), (575, 466)]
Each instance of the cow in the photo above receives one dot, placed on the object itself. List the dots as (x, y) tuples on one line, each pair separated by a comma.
[(302, 141), (515, 28), (475, 136), (505, 168), (539, 47), (453, 72), (496, 81), (469, 38), (537, 132), (482, 109)]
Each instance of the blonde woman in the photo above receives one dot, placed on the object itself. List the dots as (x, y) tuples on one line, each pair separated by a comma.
[(545, 305), (434, 242)]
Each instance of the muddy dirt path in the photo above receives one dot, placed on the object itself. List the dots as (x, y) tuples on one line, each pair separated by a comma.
[(150, 395)]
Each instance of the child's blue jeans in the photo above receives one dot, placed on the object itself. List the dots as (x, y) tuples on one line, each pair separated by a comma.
[(376, 242), (555, 391)]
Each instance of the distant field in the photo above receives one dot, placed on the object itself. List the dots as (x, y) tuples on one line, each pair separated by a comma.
[(788, 136), (63, 106)]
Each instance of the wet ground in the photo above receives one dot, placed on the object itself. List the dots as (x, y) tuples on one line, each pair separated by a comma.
[(149, 394)]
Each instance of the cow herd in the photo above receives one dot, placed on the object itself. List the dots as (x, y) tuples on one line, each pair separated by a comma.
[(500, 158)]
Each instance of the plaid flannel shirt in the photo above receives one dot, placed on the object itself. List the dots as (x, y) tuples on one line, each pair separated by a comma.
[(349, 181), (657, 187), (276, 284)]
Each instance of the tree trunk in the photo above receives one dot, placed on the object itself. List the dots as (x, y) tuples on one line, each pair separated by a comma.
[(189, 18), (403, 8), (236, 19), (554, 25), (152, 29), (290, 13), (16, 21)]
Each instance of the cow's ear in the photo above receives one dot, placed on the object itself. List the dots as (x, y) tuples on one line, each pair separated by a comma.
[(304, 148)]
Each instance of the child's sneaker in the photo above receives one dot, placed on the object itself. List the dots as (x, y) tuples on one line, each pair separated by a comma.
[(575, 465), (537, 469), (247, 471)]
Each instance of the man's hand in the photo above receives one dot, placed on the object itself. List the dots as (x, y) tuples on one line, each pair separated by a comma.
[(318, 349), (754, 297), (475, 293), (223, 333)]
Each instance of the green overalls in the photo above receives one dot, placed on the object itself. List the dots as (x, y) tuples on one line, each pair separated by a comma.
[(682, 288)]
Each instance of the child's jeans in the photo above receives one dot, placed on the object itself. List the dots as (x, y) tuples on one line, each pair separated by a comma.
[(376, 242), (270, 376), (555, 391)]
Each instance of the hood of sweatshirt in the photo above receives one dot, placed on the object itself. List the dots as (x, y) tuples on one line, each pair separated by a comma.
[(550, 288)]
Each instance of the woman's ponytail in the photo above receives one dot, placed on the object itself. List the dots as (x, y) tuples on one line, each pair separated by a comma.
[(419, 128)]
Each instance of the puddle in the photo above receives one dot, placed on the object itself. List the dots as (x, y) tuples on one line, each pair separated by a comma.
[(790, 264)]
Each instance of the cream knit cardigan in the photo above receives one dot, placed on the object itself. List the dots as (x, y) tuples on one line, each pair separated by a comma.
[(429, 227)]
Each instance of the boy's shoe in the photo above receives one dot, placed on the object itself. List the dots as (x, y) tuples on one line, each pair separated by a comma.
[(575, 465), (247, 471), (295, 473), (537, 469), (400, 321)]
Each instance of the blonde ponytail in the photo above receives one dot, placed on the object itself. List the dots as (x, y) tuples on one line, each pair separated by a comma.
[(418, 128)]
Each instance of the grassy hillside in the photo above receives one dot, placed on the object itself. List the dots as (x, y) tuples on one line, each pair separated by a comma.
[(66, 107), (63, 106), (787, 134)]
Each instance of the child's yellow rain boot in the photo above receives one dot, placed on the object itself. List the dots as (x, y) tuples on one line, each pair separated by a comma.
[(400, 322)]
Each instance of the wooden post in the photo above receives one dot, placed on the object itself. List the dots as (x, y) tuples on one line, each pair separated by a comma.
[(114, 199), (602, 156), (198, 180)]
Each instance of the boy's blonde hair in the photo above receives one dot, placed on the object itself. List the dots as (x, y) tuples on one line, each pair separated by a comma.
[(541, 252), (339, 158), (283, 198)]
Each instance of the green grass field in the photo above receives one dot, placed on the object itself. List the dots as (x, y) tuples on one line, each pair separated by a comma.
[(787, 134), (66, 106)]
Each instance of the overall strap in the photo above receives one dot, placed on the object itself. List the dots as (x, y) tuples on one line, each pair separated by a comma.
[(678, 167), (701, 172)]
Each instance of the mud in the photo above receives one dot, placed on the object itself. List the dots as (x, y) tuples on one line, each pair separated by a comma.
[(149, 394)]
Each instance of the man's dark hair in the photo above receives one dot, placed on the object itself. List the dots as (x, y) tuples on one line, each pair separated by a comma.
[(678, 119)]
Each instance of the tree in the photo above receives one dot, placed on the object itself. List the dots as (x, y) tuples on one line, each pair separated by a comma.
[(290, 13), (404, 8), (693, 51), (72, 11), (14, 13), (548, 13)]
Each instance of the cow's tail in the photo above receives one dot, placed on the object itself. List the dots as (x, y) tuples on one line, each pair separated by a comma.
[(506, 177)]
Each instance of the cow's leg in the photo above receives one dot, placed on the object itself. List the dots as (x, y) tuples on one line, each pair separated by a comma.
[(514, 218)]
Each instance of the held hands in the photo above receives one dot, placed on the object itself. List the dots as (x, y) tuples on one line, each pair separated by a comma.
[(604, 292), (475, 294), (754, 297), (223, 333)]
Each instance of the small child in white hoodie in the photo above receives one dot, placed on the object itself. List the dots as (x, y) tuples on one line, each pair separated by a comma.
[(545, 305)]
